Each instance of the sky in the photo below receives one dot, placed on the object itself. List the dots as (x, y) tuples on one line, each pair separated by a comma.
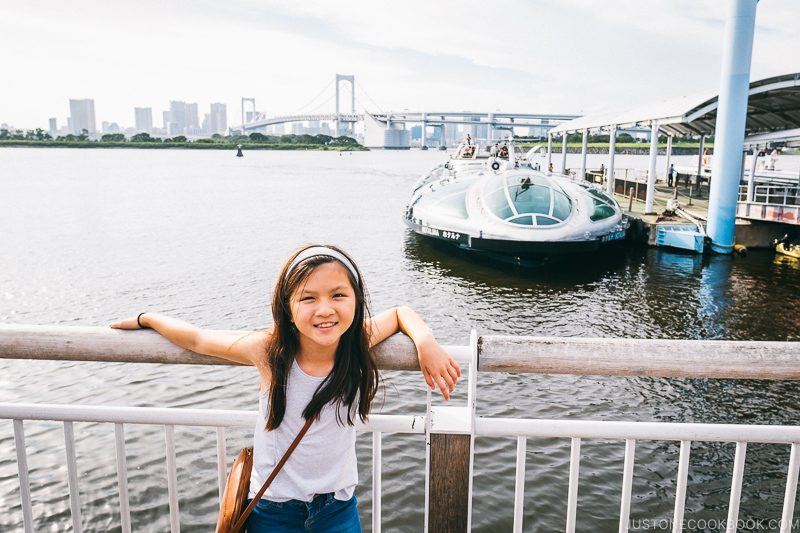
[(565, 56)]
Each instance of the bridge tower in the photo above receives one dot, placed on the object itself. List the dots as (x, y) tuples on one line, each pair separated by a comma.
[(252, 102), (352, 81)]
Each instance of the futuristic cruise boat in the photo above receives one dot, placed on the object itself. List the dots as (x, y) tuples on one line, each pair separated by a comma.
[(516, 211)]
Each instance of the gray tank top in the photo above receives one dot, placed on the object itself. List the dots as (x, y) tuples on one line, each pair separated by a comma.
[(324, 461)]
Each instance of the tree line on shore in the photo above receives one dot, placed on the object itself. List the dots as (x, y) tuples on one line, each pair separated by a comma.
[(40, 135)]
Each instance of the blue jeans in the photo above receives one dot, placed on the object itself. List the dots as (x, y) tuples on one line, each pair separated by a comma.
[(323, 514)]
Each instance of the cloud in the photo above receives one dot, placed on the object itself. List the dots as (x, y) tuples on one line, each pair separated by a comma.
[(528, 56)]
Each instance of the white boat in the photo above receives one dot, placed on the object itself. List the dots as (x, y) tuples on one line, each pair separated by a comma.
[(504, 206)]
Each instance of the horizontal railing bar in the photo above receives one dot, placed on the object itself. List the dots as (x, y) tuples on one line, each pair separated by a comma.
[(541, 355), (640, 357), (182, 417), (613, 430), (82, 343)]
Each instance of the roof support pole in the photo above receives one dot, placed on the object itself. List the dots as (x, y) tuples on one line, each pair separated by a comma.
[(549, 149), (669, 155), (442, 131), (564, 153), (651, 170), (612, 149), (751, 180), (584, 147), (737, 53), (700, 154)]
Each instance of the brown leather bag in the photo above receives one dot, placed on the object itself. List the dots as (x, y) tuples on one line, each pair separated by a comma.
[(232, 511)]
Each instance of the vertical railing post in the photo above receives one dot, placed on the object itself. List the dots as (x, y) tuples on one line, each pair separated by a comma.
[(122, 478), (627, 484), (736, 487), (680, 491), (222, 463), (172, 479), (519, 484), (376, 481), (791, 489), (449, 476), (72, 476), (572, 491), (24, 482)]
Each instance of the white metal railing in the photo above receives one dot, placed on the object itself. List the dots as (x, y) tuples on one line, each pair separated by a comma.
[(630, 432), (774, 194), (545, 355), (169, 418), (521, 429)]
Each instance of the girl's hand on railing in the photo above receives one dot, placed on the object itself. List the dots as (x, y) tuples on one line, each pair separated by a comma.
[(438, 367), (128, 323)]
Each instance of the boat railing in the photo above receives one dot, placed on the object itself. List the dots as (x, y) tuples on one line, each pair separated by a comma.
[(771, 193), (769, 202), (449, 430)]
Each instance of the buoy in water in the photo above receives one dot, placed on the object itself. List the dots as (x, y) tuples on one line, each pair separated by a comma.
[(239, 151), (788, 249), (740, 249)]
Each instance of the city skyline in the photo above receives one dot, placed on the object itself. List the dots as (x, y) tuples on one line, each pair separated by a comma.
[(182, 118), (567, 57)]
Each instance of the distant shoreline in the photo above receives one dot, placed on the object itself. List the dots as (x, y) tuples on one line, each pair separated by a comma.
[(179, 145)]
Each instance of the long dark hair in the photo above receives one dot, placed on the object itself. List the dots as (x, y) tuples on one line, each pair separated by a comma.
[(354, 375)]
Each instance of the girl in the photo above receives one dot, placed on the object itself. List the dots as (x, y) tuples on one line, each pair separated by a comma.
[(313, 364)]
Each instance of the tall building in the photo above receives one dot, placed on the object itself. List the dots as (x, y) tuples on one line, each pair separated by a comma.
[(165, 118), (218, 119), (183, 118), (177, 117), (192, 118), (53, 129), (81, 114), (144, 119)]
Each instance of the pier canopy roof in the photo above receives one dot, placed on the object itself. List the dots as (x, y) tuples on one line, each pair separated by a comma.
[(773, 105)]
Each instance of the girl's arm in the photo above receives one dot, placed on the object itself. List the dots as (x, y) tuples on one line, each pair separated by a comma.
[(436, 364), (242, 349)]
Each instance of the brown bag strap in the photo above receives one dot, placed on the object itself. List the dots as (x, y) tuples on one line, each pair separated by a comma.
[(240, 523)]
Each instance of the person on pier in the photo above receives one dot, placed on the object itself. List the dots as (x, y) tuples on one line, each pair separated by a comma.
[(314, 364)]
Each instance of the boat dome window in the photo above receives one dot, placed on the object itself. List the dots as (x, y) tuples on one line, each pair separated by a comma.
[(602, 205), (511, 197), (524, 220), (449, 199)]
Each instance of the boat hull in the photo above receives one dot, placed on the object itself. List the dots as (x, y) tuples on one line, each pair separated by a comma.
[(517, 248)]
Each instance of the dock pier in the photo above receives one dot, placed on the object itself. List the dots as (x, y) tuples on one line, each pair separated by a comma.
[(768, 207)]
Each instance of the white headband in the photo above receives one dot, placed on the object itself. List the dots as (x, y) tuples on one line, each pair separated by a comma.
[(315, 251)]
